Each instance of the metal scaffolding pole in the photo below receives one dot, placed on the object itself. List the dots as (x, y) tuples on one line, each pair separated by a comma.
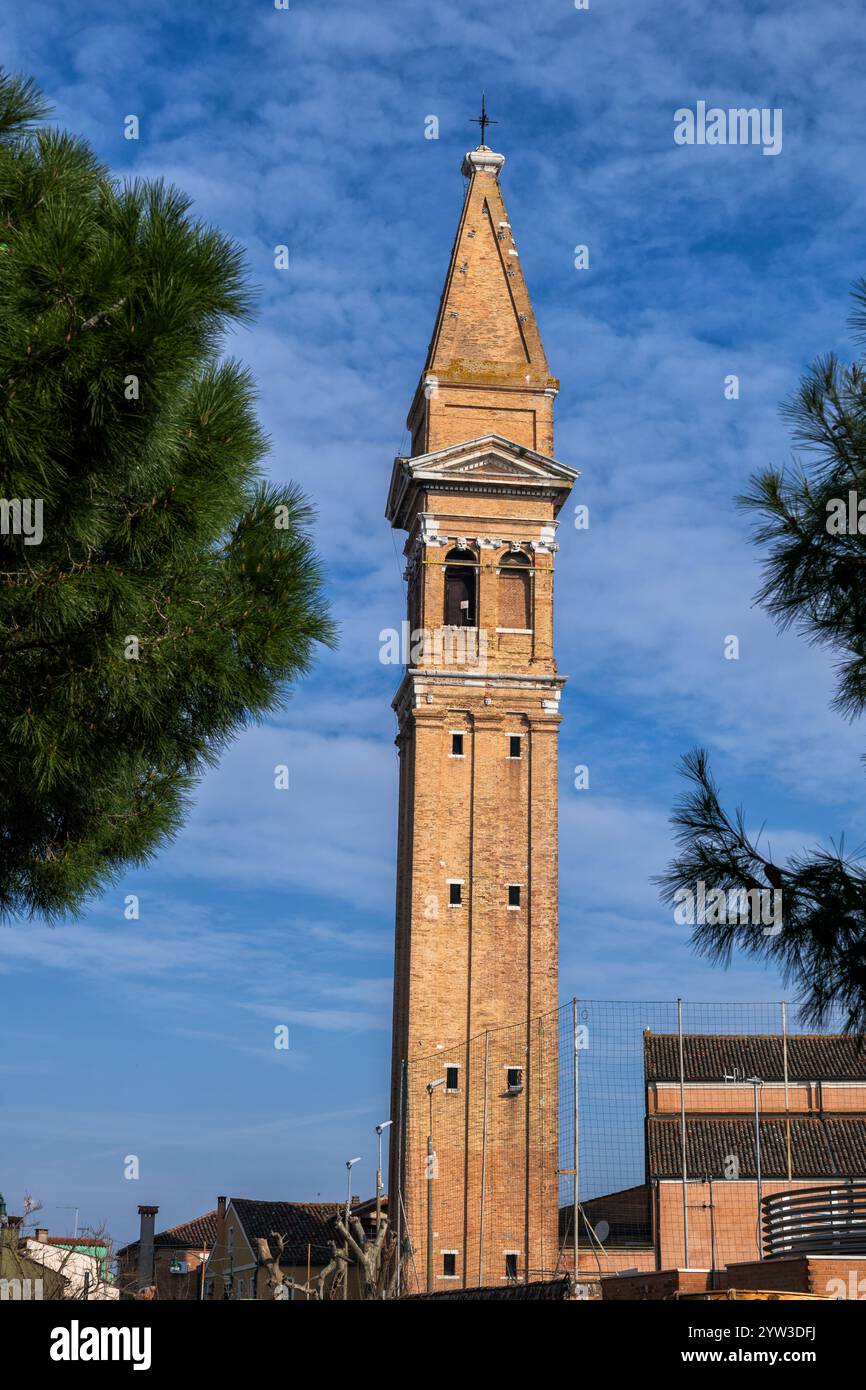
[(683, 1137), (397, 1182), (785, 1064), (574, 1155), (483, 1168)]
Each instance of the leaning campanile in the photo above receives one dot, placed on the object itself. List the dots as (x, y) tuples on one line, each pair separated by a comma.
[(478, 720)]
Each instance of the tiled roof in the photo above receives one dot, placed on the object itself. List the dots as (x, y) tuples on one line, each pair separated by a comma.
[(710, 1057), (302, 1224), (188, 1235), (87, 1243), (834, 1148), (196, 1233), (549, 1291)]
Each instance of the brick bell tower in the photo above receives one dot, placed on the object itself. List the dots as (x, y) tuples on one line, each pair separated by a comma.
[(478, 717)]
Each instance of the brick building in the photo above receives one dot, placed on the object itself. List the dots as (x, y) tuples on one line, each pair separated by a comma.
[(478, 719), (170, 1262), (810, 1133)]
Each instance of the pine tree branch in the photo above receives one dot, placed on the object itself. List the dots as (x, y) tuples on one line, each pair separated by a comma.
[(818, 937)]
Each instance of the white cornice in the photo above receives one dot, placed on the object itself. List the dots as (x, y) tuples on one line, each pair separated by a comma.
[(486, 464)]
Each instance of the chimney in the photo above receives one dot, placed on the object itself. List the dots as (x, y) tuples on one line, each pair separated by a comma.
[(42, 1234), (145, 1246), (10, 1231), (221, 1208)]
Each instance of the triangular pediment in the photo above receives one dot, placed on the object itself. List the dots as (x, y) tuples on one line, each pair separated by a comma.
[(490, 457), (489, 461), (492, 465)]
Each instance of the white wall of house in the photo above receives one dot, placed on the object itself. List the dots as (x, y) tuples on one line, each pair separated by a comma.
[(73, 1265)]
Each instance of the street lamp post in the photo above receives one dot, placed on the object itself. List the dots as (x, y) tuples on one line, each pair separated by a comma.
[(757, 1083), (350, 1163), (431, 1161), (380, 1129)]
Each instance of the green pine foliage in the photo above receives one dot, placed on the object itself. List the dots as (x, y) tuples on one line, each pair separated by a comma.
[(160, 538), (810, 521)]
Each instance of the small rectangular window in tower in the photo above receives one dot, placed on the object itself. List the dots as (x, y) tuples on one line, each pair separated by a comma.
[(514, 895), (514, 1080), (449, 1264), (452, 1080), (514, 742), (510, 1265), (455, 894), (457, 745)]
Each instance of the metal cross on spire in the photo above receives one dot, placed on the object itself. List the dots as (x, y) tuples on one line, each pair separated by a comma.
[(483, 120)]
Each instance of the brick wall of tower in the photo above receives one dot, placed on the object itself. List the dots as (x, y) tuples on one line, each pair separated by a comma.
[(521, 520), (454, 412), (476, 982), (487, 820), (477, 968)]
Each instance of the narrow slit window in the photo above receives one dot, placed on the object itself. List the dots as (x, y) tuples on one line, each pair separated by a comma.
[(514, 742), (455, 894), (452, 1079), (457, 745), (449, 1264), (514, 895), (514, 1080), (510, 1266)]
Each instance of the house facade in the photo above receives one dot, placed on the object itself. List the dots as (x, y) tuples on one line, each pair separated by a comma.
[(81, 1261), (168, 1263), (235, 1268)]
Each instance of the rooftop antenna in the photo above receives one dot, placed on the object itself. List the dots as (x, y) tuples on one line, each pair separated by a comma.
[(75, 1209), (483, 120)]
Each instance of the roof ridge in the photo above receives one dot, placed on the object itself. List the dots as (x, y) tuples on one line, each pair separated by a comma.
[(285, 1202), (191, 1222)]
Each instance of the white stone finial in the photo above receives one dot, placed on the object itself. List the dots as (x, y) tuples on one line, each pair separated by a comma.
[(482, 161)]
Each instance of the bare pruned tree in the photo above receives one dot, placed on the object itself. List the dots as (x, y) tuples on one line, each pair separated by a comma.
[(321, 1286), (375, 1257)]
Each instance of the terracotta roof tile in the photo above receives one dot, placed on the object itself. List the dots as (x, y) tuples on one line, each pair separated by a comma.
[(196, 1233), (547, 1291), (302, 1224), (709, 1057), (820, 1148)]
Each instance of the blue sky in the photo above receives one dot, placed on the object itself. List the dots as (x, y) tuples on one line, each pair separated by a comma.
[(306, 127)]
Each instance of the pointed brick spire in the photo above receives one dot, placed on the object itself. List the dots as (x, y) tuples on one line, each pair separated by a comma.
[(486, 369)]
